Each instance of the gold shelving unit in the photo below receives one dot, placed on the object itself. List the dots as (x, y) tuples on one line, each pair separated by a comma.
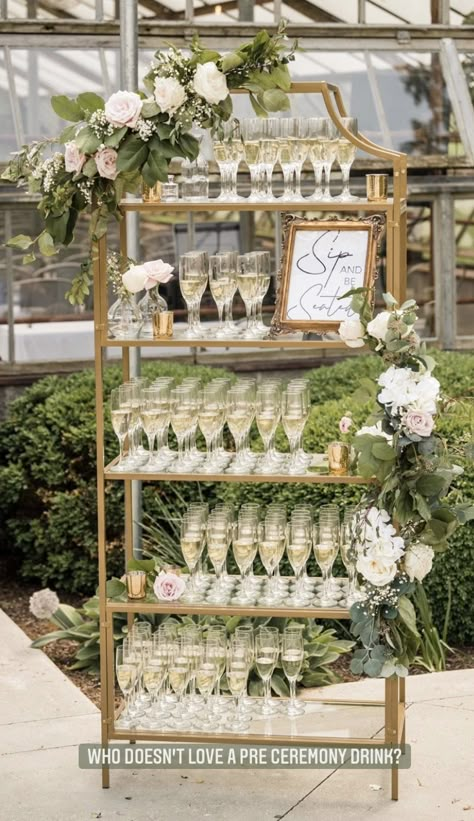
[(393, 704)]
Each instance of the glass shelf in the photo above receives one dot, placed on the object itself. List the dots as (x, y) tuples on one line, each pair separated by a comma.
[(325, 721), (196, 476), (137, 204), (179, 341)]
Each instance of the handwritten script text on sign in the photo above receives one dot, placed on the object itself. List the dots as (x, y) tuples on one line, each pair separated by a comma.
[(324, 265)]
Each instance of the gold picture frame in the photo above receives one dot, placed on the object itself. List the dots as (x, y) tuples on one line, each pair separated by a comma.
[(306, 299)]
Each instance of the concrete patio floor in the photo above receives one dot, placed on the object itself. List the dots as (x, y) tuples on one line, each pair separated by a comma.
[(43, 717)]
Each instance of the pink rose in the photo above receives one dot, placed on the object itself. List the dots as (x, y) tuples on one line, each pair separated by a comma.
[(123, 108), (419, 422), (345, 423), (73, 159), (157, 271), (169, 586), (106, 161)]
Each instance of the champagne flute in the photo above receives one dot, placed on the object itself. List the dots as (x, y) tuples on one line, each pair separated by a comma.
[(210, 417), (126, 672), (154, 416), (223, 284), (316, 131), (345, 155), (193, 275), (239, 410), (178, 675), (328, 142), (298, 550), (234, 148), (270, 130), (218, 540), (263, 285), (237, 673), (183, 412), (247, 283), (325, 546), (252, 129), (267, 648), (292, 656), (267, 415), (285, 158), (348, 555), (271, 546), (154, 674), (224, 163), (207, 670), (294, 415), (120, 415), (217, 637), (299, 150), (192, 545)]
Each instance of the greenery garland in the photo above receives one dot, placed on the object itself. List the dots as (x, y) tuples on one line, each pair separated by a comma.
[(113, 145), (400, 447)]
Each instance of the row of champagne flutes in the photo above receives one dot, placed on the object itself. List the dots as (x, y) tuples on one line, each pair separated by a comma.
[(288, 142), (225, 272), (171, 678), (139, 405), (271, 535)]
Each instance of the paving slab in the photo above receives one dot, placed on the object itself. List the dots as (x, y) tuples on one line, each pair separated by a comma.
[(43, 718)]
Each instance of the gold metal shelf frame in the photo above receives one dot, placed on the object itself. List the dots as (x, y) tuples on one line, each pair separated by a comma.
[(396, 217)]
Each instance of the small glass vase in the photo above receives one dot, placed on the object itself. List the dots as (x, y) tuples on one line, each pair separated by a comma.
[(338, 458), (152, 303), (124, 318)]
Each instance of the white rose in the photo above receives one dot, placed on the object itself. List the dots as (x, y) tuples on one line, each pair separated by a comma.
[(352, 332), (418, 561), (210, 83), (404, 388), (123, 108), (134, 279), (73, 158), (378, 326), (169, 94), (106, 161), (378, 572), (387, 547)]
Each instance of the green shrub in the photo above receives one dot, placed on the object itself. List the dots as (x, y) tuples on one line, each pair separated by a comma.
[(47, 484)]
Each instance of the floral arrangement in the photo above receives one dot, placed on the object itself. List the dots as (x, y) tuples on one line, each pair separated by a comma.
[(409, 514), (112, 145)]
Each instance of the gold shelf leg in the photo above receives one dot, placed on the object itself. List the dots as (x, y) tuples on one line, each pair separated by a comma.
[(391, 725)]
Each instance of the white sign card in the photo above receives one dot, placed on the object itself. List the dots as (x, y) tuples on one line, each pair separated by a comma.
[(322, 260), (325, 264)]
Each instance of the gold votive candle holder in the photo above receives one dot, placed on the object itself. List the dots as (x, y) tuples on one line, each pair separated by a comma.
[(136, 584), (338, 458), (163, 325), (377, 187), (151, 193)]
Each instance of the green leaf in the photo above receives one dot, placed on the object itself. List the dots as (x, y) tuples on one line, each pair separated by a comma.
[(149, 108), (89, 101), (113, 139), (230, 61), (281, 76), (357, 666), (274, 99), (407, 614), (28, 258), (401, 670), (67, 134), (89, 168), (389, 299), (259, 111), (46, 244), (279, 685), (382, 450), (86, 140), (66, 108), (155, 168), (373, 667), (189, 145), (132, 153), (21, 241), (115, 588), (431, 484)]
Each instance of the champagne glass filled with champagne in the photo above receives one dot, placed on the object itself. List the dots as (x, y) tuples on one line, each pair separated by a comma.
[(192, 545), (126, 673), (325, 546), (267, 649), (263, 284), (120, 415), (270, 131), (247, 283), (292, 655), (345, 155), (193, 276), (329, 142), (316, 132), (223, 284), (252, 132)]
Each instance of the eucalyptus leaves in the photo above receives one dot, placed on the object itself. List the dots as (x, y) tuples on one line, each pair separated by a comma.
[(112, 145), (400, 446)]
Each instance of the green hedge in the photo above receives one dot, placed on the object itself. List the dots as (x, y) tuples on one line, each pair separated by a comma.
[(47, 484)]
